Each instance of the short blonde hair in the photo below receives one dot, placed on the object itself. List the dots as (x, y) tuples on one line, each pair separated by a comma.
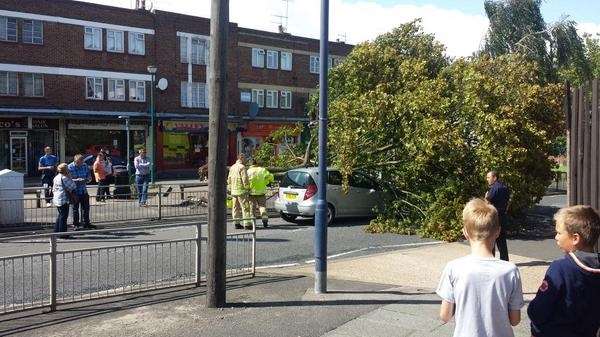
[(62, 168), (480, 219), (582, 220)]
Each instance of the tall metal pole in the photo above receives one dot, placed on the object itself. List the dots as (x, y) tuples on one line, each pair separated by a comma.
[(152, 134), (321, 208), (128, 149), (217, 154)]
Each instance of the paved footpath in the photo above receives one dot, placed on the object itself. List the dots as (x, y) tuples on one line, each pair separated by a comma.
[(388, 294)]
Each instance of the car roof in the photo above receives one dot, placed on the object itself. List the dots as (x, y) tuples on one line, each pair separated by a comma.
[(312, 169)]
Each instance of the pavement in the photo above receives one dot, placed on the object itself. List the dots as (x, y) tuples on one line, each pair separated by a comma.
[(386, 294)]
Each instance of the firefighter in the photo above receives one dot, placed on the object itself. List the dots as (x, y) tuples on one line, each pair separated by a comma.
[(259, 178), (239, 188)]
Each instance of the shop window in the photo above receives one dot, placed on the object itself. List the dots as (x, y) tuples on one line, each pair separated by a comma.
[(137, 43), (193, 95), (258, 58), (272, 59), (9, 83), (116, 90), (33, 32), (286, 60), (114, 41), (258, 97), (94, 88), (137, 91), (272, 99), (33, 85), (8, 29), (286, 99), (93, 38)]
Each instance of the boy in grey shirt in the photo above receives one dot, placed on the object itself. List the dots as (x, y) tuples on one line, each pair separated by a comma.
[(484, 293)]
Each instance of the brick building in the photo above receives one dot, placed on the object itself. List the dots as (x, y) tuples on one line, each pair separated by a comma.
[(69, 69)]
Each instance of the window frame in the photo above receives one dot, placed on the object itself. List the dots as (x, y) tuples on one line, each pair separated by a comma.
[(274, 99), (201, 44), (288, 99), (273, 55), (258, 97), (115, 32), (94, 30), (260, 55), (314, 60), (33, 37), (95, 83), (34, 77), (196, 90), (281, 63), (133, 37), (15, 29), (16, 84), (136, 85), (109, 89)]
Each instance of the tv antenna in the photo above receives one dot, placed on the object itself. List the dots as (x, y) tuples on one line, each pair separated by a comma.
[(283, 19), (342, 38)]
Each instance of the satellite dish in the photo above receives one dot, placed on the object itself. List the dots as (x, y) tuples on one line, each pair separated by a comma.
[(163, 84), (253, 110)]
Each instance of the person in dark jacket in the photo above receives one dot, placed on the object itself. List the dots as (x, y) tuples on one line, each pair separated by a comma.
[(567, 303), (499, 196)]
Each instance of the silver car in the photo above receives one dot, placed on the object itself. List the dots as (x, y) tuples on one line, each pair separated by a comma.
[(298, 195)]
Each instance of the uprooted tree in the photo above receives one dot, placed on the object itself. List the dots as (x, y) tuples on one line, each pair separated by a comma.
[(431, 128)]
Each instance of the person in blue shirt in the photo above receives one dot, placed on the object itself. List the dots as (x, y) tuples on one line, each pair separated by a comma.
[(47, 166), (499, 196), (81, 175), (567, 303)]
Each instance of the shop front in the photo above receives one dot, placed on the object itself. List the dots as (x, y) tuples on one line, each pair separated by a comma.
[(183, 145), (89, 137), (255, 134), (22, 142)]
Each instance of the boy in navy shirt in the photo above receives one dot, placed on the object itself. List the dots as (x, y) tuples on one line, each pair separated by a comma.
[(567, 303)]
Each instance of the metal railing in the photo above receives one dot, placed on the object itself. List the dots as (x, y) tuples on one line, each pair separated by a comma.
[(162, 203), (92, 267)]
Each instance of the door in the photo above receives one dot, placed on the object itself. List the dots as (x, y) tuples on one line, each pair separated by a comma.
[(364, 193), (18, 152)]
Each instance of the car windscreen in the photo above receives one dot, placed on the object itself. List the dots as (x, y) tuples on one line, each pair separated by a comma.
[(297, 179)]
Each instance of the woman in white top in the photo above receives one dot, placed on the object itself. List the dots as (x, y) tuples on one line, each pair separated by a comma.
[(62, 185)]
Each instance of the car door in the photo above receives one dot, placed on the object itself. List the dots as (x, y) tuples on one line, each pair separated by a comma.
[(336, 195), (364, 194)]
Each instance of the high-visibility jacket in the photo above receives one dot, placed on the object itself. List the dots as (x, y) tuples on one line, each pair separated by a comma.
[(237, 180), (259, 178)]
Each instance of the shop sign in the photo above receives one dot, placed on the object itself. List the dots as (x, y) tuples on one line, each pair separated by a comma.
[(44, 124), (13, 123), (261, 129), (184, 126)]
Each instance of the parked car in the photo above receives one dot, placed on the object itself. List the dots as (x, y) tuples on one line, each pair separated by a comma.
[(119, 166), (298, 195)]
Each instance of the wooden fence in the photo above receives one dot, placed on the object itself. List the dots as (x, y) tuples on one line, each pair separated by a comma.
[(583, 127)]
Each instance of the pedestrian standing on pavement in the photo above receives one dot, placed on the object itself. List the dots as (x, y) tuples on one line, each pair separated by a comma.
[(499, 196), (567, 303), (47, 166), (101, 177), (142, 177), (110, 178), (80, 173), (239, 187), (259, 178), (483, 293), (63, 191)]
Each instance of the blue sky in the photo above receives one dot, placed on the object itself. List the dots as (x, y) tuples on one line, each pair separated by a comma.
[(579, 10)]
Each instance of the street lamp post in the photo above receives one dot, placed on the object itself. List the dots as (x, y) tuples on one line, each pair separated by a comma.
[(321, 207), (152, 71), (126, 118)]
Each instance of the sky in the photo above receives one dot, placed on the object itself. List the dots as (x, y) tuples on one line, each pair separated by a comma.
[(459, 24)]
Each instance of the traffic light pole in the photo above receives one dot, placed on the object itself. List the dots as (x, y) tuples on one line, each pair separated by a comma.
[(217, 155), (321, 207)]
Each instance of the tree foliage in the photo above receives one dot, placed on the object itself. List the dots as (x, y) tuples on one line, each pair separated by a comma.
[(517, 26), (400, 110)]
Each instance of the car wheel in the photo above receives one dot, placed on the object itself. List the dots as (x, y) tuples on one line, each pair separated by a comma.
[(330, 215), (288, 217)]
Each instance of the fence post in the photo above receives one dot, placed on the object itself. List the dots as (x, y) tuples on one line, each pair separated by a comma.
[(182, 192), (159, 202), (254, 249), (38, 198), (52, 276), (198, 253)]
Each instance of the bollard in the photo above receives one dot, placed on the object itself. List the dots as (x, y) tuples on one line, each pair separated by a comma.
[(52, 278)]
